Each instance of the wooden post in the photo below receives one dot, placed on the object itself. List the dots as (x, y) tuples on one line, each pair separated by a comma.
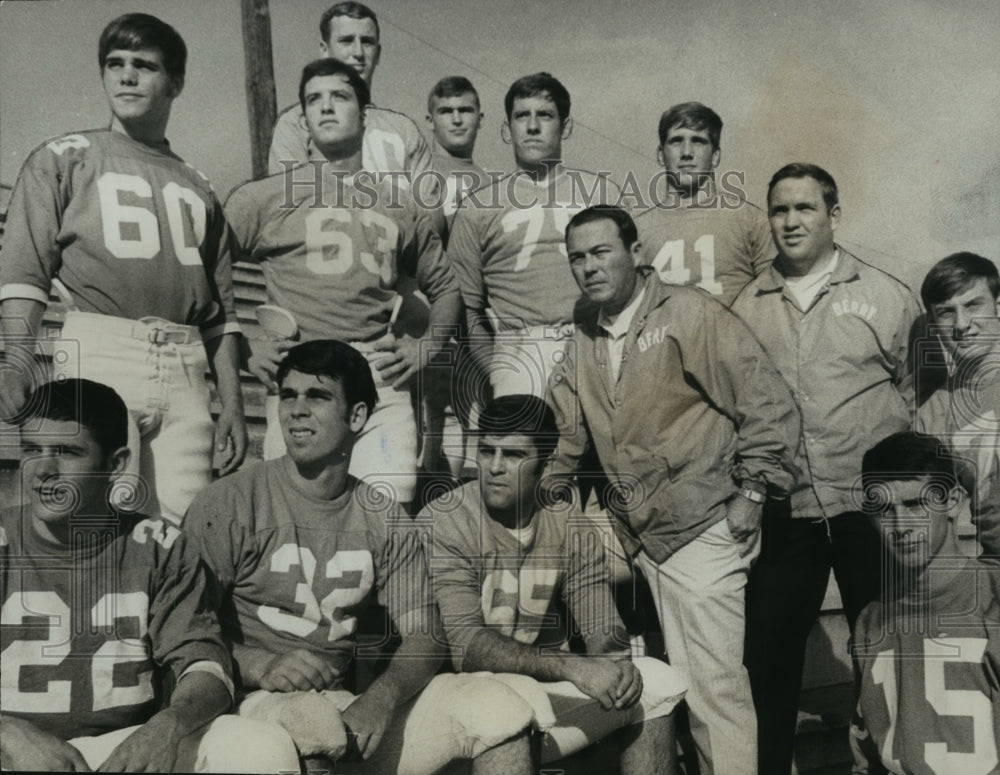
[(262, 104)]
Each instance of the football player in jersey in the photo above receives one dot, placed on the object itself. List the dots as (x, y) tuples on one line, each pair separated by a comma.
[(335, 268), (960, 296), (135, 242), (502, 565), (695, 234), (110, 654), (301, 550), (455, 118), (927, 651), (349, 31), (507, 246)]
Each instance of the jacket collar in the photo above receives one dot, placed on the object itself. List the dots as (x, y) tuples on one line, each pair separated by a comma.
[(773, 279)]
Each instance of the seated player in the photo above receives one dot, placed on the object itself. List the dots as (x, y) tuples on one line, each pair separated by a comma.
[(696, 234), (336, 268), (507, 243), (301, 550), (110, 655), (349, 31), (502, 562), (960, 297), (927, 651), (135, 242)]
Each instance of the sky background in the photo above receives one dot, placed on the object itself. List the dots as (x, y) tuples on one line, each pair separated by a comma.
[(898, 99)]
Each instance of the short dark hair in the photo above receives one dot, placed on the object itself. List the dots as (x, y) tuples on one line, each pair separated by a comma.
[(350, 9), (805, 170), (691, 115), (330, 66), (338, 361), (133, 31), (909, 455), (955, 274), (95, 406), (521, 414), (626, 226), (538, 85), (451, 86)]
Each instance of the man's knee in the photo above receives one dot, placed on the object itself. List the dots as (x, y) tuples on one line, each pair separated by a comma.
[(234, 744), (663, 687)]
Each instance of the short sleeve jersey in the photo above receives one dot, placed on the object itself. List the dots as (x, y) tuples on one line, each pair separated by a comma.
[(88, 631), (331, 248), (461, 177), (719, 246), (392, 142), (507, 245), (483, 576), (296, 572), (927, 671), (131, 230)]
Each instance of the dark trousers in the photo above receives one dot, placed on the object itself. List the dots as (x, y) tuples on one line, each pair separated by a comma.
[(784, 594)]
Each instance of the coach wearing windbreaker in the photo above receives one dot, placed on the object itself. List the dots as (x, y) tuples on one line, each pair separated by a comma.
[(838, 331), (694, 427)]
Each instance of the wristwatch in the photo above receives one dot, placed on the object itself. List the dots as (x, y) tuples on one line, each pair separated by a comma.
[(753, 491)]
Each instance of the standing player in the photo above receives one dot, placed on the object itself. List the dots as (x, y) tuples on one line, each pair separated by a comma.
[(501, 564), (927, 652), (335, 268), (109, 652), (507, 243), (689, 471), (455, 118), (960, 297), (349, 32), (136, 243), (838, 331), (302, 550), (695, 235)]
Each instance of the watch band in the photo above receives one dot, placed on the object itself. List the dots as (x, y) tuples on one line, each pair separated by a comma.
[(752, 495)]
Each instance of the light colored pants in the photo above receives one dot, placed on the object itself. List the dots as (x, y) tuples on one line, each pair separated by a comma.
[(385, 453), (458, 716), (158, 368), (699, 596), (227, 744), (523, 360)]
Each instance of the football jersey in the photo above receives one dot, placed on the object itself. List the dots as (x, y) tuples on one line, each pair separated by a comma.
[(484, 576), (295, 571), (461, 176), (927, 673), (508, 245), (392, 142), (86, 631), (131, 230), (335, 267), (715, 246)]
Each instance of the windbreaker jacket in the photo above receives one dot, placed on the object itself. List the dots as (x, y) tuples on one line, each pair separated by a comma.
[(697, 409), (845, 359)]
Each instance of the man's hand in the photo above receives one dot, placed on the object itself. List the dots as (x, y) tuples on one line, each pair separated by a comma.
[(231, 438), (298, 670), (366, 720), (26, 747), (743, 516), (264, 358), (615, 683), (151, 748), (403, 358)]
